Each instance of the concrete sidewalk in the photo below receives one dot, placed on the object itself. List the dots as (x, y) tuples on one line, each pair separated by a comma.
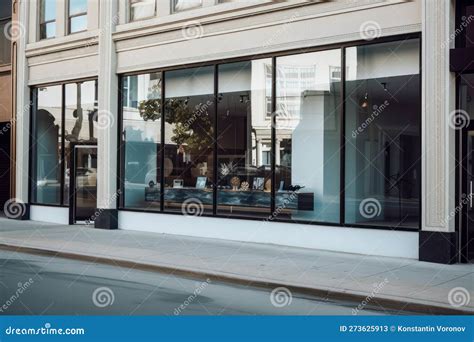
[(399, 284)]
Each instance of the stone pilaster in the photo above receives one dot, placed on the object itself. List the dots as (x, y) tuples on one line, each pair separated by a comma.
[(438, 90), (107, 119)]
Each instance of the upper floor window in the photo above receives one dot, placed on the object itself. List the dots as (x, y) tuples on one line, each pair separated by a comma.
[(77, 16), (183, 5), (142, 9), (47, 19), (5, 25)]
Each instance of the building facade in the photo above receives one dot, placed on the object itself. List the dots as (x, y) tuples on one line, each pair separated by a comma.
[(340, 125), (6, 103)]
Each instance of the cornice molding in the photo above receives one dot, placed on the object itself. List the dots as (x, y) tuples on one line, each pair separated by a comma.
[(272, 48), (76, 41)]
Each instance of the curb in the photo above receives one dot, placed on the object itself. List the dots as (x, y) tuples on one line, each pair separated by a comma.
[(322, 294)]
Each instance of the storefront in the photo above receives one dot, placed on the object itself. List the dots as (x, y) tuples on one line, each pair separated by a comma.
[(237, 122), (63, 148), (263, 138)]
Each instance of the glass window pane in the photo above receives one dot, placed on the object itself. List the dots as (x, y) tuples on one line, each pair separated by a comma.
[(47, 10), (244, 134), (78, 24), (183, 5), (142, 141), (77, 6), (5, 44), (189, 138), (48, 30), (47, 146), (383, 150), (308, 137), (81, 107), (5, 9), (140, 9)]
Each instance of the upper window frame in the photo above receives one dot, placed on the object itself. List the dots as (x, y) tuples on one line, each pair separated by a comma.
[(173, 7), (69, 18), (130, 16), (41, 23)]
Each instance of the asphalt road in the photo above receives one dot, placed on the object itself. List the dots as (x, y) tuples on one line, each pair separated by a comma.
[(43, 285)]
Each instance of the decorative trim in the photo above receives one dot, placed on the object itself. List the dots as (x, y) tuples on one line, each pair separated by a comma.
[(334, 9), (436, 87), (70, 42), (273, 48), (62, 78), (57, 60)]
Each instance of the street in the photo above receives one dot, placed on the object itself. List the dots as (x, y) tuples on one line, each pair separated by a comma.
[(43, 285)]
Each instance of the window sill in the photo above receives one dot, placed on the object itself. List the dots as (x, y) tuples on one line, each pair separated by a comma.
[(75, 40)]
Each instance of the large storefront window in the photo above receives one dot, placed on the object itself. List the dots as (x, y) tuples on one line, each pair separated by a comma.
[(58, 122), (234, 145), (308, 136), (47, 146), (80, 110), (243, 137), (141, 98), (189, 139), (383, 152)]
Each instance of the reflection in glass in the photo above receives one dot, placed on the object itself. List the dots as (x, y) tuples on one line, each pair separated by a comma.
[(189, 139), (80, 112), (141, 9), (244, 138), (141, 98), (46, 162), (383, 134), (308, 136), (183, 5)]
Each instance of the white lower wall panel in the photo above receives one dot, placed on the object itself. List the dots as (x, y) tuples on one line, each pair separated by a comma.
[(350, 240), (49, 214)]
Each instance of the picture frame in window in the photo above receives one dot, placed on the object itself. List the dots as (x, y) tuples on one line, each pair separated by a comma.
[(201, 182)]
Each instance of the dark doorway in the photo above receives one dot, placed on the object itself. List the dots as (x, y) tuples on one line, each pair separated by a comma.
[(5, 164), (465, 205), (83, 184)]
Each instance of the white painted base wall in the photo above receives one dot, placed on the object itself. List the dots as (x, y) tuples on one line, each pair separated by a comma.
[(350, 240), (339, 239), (49, 214)]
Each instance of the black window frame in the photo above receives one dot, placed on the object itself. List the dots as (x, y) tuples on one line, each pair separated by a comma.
[(46, 22), (70, 17), (273, 56), (33, 109)]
